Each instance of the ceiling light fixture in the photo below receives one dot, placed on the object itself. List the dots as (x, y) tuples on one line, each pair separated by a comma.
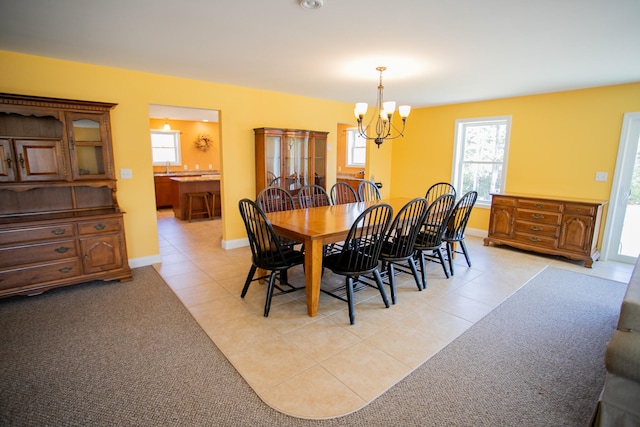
[(166, 125), (311, 4), (384, 113)]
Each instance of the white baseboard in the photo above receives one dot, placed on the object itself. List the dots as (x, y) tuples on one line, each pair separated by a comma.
[(235, 244), (475, 232), (144, 261)]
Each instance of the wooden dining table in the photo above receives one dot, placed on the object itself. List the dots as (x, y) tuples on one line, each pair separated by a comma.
[(316, 227)]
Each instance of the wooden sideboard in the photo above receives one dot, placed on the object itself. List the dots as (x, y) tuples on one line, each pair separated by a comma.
[(554, 226), (60, 223)]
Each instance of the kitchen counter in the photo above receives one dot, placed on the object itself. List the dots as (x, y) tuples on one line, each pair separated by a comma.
[(196, 178), (188, 173)]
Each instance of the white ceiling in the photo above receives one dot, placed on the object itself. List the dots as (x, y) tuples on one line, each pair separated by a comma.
[(436, 51)]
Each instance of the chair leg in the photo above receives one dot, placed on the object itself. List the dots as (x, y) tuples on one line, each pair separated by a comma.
[(376, 274), (414, 270), (465, 253), (352, 317), (449, 251), (392, 282), (272, 281), (443, 261), (422, 267), (252, 271)]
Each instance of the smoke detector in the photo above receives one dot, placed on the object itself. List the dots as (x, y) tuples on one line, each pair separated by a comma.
[(311, 4)]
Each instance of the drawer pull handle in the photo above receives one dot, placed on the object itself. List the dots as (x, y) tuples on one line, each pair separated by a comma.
[(59, 231), (537, 216), (65, 269), (538, 205), (535, 239), (99, 227), (8, 162), (62, 249), (21, 160), (534, 228)]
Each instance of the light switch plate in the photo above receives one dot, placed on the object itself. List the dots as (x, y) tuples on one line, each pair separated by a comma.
[(126, 174), (601, 176)]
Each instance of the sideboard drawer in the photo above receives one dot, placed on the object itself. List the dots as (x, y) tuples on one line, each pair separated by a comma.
[(542, 205), (542, 241), (28, 275), (577, 209), (104, 226), (540, 229), (19, 235), (29, 254), (541, 217)]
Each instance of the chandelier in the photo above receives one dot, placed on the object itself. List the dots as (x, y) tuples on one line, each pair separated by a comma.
[(384, 113)]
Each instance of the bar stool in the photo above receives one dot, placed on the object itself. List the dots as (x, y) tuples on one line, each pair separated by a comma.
[(213, 204), (205, 202)]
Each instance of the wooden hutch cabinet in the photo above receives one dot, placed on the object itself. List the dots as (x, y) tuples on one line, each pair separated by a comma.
[(290, 158), (565, 227), (60, 223)]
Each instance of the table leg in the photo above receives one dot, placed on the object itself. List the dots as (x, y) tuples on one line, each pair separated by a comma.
[(313, 273)]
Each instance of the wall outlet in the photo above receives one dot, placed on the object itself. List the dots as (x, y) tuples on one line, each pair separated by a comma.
[(601, 176), (126, 174)]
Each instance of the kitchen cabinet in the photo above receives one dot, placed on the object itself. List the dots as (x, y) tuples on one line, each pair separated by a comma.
[(555, 226), (60, 222), (290, 158)]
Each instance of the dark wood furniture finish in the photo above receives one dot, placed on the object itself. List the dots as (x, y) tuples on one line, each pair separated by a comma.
[(555, 226), (194, 184), (163, 187), (60, 223), (290, 158)]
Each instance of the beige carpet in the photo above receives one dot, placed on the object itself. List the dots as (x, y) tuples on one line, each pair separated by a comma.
[(131, 354)]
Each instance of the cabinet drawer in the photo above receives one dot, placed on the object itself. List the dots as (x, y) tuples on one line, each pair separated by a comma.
[(19, 235), (25, 276), (577, 209), (541, 241), (541, 217), (29, 254), (537, 229), (503, 201), (543, 205), (103, 226)]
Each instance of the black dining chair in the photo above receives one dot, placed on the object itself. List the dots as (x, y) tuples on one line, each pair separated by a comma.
[(438, 189), (359, 255), (276, 199), (342, 193), (429, 242), (454, 233), (368, 191), (398, 246), (267, 253), (311, 196)]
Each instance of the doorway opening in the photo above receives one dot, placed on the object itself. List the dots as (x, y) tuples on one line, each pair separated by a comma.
[(622, 233)]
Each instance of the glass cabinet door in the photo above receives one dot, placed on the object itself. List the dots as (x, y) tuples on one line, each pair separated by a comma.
[(296, 163), (88, 146), (273, 160), (320, 161)]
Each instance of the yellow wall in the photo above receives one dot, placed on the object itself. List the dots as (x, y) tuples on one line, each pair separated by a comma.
[(191, 155), (558, 142), (241, 110)]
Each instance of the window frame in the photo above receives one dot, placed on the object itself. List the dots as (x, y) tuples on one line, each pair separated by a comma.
[(176, 147), (459, 148), (352, 137)]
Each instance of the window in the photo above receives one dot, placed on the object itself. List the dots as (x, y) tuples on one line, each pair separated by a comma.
[(165, 147), (356, 148), (480, 156)]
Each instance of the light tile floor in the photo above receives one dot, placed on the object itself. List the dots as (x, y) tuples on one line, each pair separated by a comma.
[(322, 367)]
